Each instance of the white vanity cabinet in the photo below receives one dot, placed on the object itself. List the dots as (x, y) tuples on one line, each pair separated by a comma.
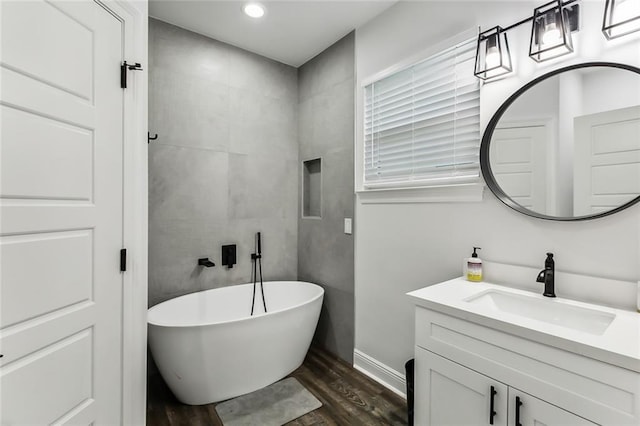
[(462, 355), (451, 394)]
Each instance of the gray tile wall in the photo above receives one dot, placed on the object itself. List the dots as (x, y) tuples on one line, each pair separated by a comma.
[(233, 129), (326, 130), (225, 164)]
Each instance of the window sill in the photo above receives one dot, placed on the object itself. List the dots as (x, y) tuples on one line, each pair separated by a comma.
[(434, 194)]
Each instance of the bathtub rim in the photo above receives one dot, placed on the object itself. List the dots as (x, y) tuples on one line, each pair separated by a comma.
[(208, 324)]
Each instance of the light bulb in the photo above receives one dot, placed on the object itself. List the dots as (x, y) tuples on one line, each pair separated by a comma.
[(254, 10), (551, 35), (492, 58)]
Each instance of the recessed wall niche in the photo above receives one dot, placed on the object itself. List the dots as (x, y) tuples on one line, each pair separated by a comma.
[(312, 188)]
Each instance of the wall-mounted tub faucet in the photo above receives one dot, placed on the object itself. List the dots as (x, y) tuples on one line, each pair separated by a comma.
[(546, 276), (205, 262)]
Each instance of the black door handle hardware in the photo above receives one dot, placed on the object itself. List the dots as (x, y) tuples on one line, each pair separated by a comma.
[(518, 405), (124, 67), (492, 411)]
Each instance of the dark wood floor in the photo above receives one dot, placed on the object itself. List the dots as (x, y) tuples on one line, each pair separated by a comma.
[(348, 398)]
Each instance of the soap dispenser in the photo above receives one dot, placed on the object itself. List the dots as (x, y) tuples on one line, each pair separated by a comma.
[(474, 267)]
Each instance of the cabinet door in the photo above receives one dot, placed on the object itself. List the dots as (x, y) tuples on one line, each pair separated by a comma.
[(527, 410), (447, 393)]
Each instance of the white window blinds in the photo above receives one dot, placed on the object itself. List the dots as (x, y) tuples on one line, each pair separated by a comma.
[(422, 124)]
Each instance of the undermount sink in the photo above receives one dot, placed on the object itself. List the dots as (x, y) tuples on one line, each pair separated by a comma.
[(551, 311)]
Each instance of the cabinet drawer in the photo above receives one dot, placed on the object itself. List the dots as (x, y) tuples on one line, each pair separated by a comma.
[(591, 389)]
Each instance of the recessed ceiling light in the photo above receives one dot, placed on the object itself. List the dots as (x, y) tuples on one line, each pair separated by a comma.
[(254, 10)]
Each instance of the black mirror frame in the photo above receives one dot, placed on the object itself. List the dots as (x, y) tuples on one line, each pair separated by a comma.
[(485, 166)]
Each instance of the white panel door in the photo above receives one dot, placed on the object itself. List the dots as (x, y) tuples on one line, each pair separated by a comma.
[(607, 160), (450, 394), (518, 159), (527, 410), (61, 176)]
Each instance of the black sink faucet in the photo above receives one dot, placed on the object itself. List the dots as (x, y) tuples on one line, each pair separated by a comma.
[(546, 276)]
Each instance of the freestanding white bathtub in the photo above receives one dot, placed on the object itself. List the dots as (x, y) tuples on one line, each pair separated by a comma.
[(208, 348)]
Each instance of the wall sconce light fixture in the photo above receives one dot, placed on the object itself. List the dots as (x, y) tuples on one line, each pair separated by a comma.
[(551, 30), (621, 17), (552, 25), (492, 54)]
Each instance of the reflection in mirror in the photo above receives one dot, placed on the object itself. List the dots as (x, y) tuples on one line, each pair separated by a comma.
[(568, 146)]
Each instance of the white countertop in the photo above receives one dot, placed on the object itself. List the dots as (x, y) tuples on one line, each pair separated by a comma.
[(618, 345)]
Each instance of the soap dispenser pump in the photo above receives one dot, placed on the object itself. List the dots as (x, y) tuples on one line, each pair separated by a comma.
[(474, 267)]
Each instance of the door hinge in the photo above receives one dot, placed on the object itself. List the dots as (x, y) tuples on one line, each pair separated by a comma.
[(123, 260), (123, 72)]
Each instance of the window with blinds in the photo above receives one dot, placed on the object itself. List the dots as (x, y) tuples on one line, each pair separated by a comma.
[(422, 124)]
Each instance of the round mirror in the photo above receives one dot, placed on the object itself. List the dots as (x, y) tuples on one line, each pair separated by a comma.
[(566, 146)]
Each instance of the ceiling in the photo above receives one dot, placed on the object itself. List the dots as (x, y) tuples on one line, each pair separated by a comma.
[(292, 31)]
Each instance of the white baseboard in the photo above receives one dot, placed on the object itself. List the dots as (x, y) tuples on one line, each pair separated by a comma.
[(381, 373)]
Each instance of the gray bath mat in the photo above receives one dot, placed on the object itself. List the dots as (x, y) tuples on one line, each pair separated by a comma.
[(274, 405)]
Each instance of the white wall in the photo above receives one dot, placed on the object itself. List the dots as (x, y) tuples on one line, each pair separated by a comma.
[(402, 247)]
